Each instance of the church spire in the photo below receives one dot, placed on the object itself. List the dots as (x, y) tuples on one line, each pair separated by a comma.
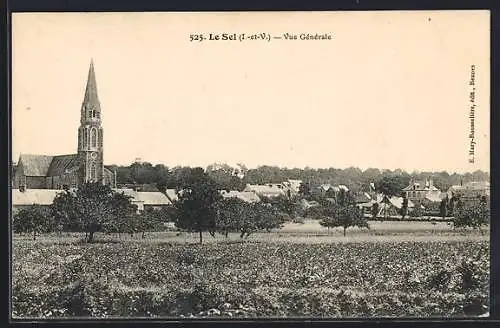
[(91, 88)]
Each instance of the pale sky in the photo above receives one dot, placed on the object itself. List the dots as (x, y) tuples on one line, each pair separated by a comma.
[(390, 90)]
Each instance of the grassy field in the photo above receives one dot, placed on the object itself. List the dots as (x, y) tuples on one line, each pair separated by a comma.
[(395, 269)]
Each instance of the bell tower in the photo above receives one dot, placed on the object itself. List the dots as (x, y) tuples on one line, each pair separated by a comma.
[(90, 134)]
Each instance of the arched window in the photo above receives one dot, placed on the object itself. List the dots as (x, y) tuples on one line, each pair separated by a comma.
[(93, 138), (85, 139), (93, 172)]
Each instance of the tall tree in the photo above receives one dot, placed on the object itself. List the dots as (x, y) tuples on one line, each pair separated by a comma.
[(91, 208), (197, 210), (404, 207)]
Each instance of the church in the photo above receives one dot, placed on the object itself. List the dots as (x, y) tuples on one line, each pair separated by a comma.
[(60, 171)]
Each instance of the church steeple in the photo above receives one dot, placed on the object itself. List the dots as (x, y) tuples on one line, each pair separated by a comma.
[(91, 107), (90, 133), (91, 88)]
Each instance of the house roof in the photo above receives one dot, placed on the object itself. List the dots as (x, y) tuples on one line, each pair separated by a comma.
[(363, 198), (477, 185), (62, 164), (420, 186), (246, 196), (435, 198), (343, 187), (265, 190), (473, 185), (172, 195), (35, 165), (34, 196), (398, 202), (153, 198), (127, 192), (305, 204)]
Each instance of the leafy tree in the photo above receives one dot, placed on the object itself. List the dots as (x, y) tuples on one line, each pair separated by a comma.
[(121, 216), (472, 215), (404, 208), (91, 208), (236, 215), (305, 190), (392, 185), (286, 205), (196, 209), (343, 213), (33, 219), (229, 215), (344, 216), (266, 217)]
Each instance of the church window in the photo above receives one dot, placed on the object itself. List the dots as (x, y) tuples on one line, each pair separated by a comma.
[(85, 133), (93, 138), (93, 172)]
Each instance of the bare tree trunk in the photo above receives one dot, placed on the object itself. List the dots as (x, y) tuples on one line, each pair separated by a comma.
[(34, 235), (201, 237), (345, 228), (143, 234)]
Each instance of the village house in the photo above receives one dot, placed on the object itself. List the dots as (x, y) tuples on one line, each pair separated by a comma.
[(270, 190), (29, 197), (390, 206), (143, 200), (418, 191), (471, 191), (328, 190), (246, 196)]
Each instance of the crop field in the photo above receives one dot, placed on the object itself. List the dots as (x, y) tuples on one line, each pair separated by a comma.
[(434, 275)]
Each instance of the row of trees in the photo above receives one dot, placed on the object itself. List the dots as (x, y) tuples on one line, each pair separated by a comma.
[(90, 209), (200, 208), (235, 178), (96, 208)]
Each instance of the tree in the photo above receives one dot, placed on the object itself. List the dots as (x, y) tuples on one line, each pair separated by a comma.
[(472, 215), (305, 190), (375, 209), (404, 207), (91, 208), (286, 205), (391, 185), (122, 215), (343, 216), (343, 213), (229, 215), (33, 219), (443, 208), (196, 209)]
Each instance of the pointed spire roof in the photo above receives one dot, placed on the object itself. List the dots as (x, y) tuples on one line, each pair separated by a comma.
[(91, 88)]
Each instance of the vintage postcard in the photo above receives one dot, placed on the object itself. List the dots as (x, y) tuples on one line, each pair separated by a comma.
[(251, 165)]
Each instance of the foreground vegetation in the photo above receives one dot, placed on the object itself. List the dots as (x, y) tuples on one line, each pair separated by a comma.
[(256, 279)]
